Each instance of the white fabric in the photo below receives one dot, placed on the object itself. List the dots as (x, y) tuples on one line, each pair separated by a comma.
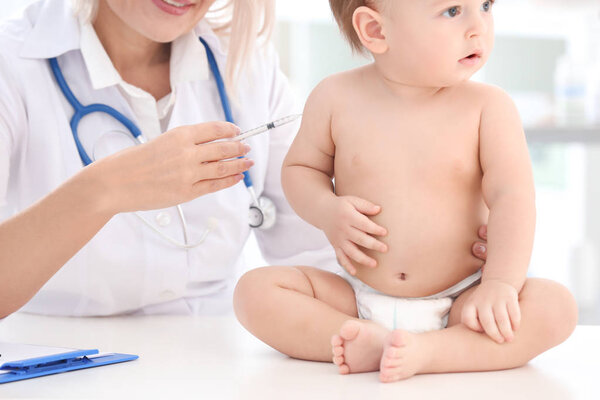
[(416, 314), (188, 63), (127, 267)]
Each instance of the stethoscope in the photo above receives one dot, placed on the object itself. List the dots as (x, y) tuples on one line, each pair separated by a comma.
[(262, 213)]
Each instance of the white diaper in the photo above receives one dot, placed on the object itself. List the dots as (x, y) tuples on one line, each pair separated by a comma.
[(414, 314)]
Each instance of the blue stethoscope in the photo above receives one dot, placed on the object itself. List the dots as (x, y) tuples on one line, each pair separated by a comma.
[(262, 210)]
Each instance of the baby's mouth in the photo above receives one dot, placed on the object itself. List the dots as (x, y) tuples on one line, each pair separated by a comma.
[(472, 59), (474, 56)]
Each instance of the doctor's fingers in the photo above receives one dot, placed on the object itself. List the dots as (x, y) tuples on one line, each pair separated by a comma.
[(367, 241), (214, 185), (209, 131), (222, 169), (221, 151)]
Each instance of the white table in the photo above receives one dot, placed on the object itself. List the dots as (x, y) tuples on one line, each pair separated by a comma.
[(215, 358)]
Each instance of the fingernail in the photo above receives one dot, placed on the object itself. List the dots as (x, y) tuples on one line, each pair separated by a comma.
[(248, 163), (481, 248), (247, 148)]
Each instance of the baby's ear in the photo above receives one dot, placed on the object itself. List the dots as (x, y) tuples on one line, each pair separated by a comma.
[(368, 25)]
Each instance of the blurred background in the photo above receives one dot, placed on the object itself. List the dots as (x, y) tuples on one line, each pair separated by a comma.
[(547, 56)]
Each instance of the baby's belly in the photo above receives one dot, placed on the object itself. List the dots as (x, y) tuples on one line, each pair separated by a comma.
[(430, 234)]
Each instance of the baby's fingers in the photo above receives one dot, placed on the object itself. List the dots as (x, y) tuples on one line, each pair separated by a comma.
[(367, 241), (345, 262), (355, 254), (503, 322), (488, 322), (364, 206), (363, 223), (514, 311), (469, 318)]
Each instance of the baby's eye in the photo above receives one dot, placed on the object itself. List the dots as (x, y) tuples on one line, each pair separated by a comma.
[(452, 12), (487, 6)]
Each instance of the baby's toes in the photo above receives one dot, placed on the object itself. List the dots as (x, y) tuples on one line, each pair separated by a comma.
[(336, 340), (337, 350), (344, 369), (338, 360), (388, 363), (389, 376)]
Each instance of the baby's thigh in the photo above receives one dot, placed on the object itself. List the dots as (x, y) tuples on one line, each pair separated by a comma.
[(267, 283), (331, 289)]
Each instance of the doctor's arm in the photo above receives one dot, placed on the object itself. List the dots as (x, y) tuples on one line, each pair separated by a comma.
[(174, 168)]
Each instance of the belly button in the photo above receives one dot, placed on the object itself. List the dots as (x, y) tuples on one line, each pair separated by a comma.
[(402, 276)]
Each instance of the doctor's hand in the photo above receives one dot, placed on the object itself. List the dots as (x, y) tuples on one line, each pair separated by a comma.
[(348, 226), (479, 249), (493, 308), (177, 166)]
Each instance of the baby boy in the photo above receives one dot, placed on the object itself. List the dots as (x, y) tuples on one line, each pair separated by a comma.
[(399, 162)]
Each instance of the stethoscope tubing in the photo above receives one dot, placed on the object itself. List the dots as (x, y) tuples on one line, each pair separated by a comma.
[(81, 111)]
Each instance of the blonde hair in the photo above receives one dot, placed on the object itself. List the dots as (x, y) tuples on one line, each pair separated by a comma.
[(243, 23)]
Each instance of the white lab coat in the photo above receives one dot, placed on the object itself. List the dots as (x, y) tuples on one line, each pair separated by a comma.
[(126, 267)]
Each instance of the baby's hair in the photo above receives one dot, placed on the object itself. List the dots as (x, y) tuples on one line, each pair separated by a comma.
[(343, 10)]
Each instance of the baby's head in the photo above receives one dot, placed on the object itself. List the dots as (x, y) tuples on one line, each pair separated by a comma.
[(430, 43)]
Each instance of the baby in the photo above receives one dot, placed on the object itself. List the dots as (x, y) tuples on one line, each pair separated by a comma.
[(399, 162)]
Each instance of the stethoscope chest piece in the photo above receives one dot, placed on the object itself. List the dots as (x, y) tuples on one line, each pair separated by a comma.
[(262, 216)]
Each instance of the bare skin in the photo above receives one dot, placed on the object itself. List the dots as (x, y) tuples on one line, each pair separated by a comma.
[(325, 326), (421, 158)]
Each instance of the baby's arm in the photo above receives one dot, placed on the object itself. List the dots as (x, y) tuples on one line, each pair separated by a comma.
[(307, 182), (508, 190)]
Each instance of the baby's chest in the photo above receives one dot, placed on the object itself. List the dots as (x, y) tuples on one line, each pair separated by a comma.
[(427, 147)]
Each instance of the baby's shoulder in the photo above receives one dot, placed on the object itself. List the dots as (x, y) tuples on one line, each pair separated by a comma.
[(483, 94), (338, 86)]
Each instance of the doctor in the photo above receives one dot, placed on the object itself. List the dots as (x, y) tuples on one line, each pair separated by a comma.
[(90, 221)]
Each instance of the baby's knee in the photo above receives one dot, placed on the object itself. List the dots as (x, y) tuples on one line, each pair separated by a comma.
[(259, 289), (247, 289), (557, 308), (566, 312)]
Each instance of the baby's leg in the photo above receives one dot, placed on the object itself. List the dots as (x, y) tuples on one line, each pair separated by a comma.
[(297, 310), (548, 317)]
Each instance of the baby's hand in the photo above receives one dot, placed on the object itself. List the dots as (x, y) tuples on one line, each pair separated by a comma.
[(348, 227), (494, 308)]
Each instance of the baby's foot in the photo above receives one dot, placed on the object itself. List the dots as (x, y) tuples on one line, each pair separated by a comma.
[(403, 356), (358, 347)]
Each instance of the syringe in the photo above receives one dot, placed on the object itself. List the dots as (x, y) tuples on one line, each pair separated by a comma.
[(266, 127)]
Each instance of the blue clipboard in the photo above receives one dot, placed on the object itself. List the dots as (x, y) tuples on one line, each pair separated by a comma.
[(17, 370)]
